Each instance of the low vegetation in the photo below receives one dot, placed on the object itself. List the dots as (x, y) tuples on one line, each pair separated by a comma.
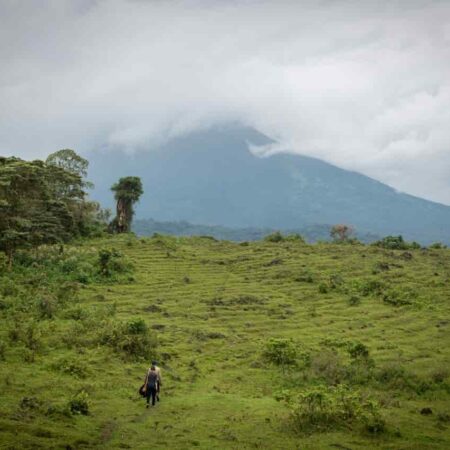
[(268, 344)]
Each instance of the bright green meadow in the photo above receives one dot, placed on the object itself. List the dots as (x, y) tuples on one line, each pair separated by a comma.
[(270, 345)]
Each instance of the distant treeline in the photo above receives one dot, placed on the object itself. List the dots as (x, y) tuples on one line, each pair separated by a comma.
[(312, 233)]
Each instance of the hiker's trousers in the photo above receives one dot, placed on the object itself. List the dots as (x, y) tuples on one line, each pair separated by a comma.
[(151, 393)]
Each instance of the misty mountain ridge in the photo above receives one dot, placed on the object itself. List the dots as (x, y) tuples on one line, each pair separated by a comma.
[(212, 178)]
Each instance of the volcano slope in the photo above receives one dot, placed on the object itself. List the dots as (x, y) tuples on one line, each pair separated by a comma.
[(275, 345)]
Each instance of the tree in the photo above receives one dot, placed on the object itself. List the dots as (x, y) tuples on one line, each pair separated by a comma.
[(70, 161), (341, 232), (44, 202), (126, 193), (30, 214), (68, 171)]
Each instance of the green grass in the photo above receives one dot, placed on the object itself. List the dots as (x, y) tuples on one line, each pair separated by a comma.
[(213, 306)]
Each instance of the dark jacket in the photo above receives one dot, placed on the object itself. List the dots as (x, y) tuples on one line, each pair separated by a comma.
[(152, 379)]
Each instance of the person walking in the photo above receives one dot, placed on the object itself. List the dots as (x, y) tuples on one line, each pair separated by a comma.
[(158, 384), (151, 383)]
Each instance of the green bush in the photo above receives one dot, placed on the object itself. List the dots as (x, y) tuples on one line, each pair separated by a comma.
[(72, 367), (137, 326), (111, 262), (395, 377), (354, 300), (392, 243), (396, 243), (67, 292), (79, 404), (130, 339), (327, 366), (76, 313), (274, 237), (46, 306), (371, 287), (437, 246), (321, 409), (281, 352), (358, 350), (398, 297)]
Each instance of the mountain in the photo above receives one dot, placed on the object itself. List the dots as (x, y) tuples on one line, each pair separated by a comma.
[(211, 177)]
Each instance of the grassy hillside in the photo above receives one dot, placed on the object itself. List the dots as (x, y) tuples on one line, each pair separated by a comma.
[(361, 349)]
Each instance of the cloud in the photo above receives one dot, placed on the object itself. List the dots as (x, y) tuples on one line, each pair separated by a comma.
[(363, 85)]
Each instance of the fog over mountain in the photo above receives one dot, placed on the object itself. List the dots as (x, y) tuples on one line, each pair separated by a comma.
[(212, 178), (363, 85)]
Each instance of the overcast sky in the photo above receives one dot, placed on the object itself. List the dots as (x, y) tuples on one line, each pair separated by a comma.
[(364, 84)]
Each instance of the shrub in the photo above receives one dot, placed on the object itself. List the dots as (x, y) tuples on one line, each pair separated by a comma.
[(67, 291), (137, 326), (335, 280), (2, 350), (397, 297), (396, 243), (111, 262), (323, 288), (31, 337), (15, 332), (295, 238), (322, 408), (395, 377), (440, 375), (305, 277), (380, 267), (28, 355), (354, 300), (327, 366), (281, 352), (46, 306), (76, 313), (71, 367), (79, 404), (437, 246), (341, 232), (358, 350), (131, 339), (369, 287), (30, 403), (8, 288), (274, 237)]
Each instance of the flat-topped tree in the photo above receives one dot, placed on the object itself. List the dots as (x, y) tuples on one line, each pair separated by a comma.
[(126, 193)]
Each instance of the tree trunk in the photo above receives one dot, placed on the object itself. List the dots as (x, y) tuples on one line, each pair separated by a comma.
[(122, 219)]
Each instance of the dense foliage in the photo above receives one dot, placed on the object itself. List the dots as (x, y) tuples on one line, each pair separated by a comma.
[(126, 192), (45, 202)]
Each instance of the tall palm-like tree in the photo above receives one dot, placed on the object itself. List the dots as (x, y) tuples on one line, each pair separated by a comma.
[(126, 193)]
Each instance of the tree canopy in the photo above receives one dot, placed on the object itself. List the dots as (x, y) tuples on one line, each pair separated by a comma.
[(44, 202), (127, 192)]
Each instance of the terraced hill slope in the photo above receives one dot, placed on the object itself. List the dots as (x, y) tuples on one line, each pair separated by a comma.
[(214, 307)]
